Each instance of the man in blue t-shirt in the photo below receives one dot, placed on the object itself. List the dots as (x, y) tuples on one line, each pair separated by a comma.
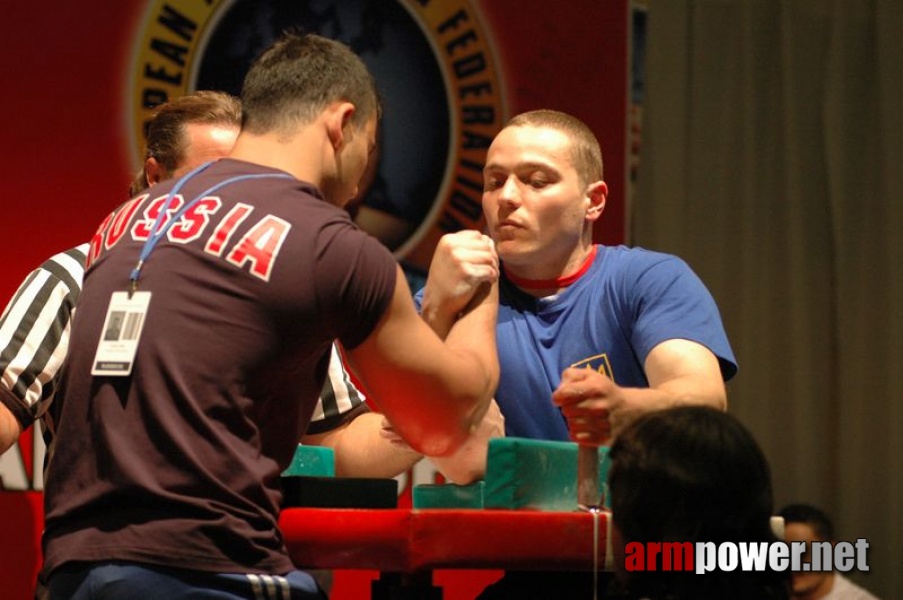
[(590, 337)]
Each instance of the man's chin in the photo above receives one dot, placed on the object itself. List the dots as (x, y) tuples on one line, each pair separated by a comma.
[(511, 251)]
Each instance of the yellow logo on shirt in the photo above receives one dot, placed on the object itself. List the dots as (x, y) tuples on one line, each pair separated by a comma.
[(598, 363)]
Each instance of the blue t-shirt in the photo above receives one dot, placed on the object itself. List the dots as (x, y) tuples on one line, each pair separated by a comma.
[(630, 300)]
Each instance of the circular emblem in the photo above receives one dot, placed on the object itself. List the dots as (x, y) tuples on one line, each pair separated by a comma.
[(435, 70)]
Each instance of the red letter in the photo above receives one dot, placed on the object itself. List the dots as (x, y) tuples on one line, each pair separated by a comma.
[(122, 219), (142, 228), (261, 246), (193, 221), (97, 242), (671, 554), (634, 557), (223, 231), (653, 548)]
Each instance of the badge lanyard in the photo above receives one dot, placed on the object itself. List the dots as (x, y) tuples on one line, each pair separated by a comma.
[(124, 322), (157, 232)]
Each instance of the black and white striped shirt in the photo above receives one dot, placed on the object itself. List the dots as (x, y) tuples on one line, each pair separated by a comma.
[(34, 340)]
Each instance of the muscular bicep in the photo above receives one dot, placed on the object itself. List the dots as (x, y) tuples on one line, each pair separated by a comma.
[(688, 370)]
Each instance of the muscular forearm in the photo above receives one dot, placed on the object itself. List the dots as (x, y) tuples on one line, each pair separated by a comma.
[(438, 321), (641, 401), (678, 393), (597, 409), (360, 450), (434, 392), (472, 337)]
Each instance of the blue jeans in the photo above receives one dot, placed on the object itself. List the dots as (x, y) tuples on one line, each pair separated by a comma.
[(132, 581)]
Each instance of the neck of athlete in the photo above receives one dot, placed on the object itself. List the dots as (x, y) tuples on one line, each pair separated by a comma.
[(550, 278), (306, 155)]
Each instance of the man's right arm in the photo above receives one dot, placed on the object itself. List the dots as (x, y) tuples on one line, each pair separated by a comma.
[(434, 393), (461, 261)]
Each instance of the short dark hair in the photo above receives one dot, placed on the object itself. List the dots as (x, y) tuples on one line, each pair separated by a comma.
[(693, 474), (298, 77), (585, 148), (812, 516), (165, 131)]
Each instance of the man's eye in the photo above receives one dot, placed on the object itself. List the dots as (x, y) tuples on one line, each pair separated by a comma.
[(538, 182), (492, 183)]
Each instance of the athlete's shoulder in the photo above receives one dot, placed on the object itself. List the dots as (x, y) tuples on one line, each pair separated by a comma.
[(635, 261), (636, 255)]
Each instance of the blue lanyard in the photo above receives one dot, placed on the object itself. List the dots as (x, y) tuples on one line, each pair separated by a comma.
[(157, 232)]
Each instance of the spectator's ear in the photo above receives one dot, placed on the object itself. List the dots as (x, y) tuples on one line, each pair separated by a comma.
[(153, 171)]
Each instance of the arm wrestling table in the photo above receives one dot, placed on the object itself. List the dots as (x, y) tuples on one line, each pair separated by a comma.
[(405, 545)]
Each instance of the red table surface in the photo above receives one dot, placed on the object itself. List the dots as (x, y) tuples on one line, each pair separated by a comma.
[(408, 540)]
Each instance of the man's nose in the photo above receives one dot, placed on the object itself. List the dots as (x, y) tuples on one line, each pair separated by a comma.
[(509, 194)]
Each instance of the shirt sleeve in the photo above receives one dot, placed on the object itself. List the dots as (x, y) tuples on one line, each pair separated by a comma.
[(355, 280), (339, 399), (34, 334), (671, 302)]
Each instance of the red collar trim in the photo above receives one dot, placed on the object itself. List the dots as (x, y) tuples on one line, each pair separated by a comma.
[(560, 282)]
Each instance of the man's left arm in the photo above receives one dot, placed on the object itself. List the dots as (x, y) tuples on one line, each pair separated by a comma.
[(680, 372), (361, 450), (677, 327), (343, 422), (686, 372)]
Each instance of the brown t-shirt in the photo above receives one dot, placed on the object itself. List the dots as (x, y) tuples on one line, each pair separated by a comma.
[(178, 464)]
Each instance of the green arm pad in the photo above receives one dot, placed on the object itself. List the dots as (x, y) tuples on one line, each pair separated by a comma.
[(520, 474), (535, 474), (312, 461), (449, 495)]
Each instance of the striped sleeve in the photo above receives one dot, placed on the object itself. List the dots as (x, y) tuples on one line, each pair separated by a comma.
[(339, 400), (34, 333)]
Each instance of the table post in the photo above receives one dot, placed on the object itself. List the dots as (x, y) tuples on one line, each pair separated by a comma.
[(405, 586)]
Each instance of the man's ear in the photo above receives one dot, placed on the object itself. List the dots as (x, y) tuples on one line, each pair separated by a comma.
[(154, 172), (597, 193), (337, 119)]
